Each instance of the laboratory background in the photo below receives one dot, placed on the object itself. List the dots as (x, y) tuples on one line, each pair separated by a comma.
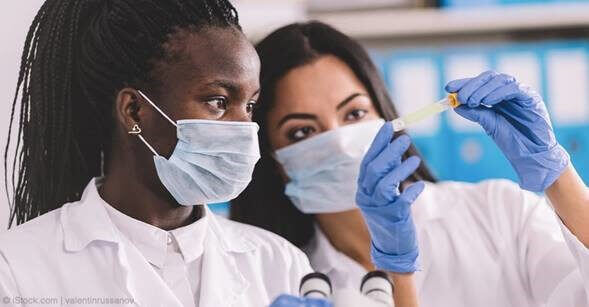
[(418, 45)]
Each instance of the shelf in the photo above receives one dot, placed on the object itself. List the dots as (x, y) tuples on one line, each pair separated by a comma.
[(391, 23)]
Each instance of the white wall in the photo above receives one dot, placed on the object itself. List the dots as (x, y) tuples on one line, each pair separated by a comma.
[(260, 17), (16, 18)]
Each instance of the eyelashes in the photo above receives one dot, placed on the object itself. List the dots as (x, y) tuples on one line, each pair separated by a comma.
[(220, 104), (217, 104), (300, 133), (356, 114)]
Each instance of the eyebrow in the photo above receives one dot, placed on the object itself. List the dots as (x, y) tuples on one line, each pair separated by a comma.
[(347, 100), (311, 116), (256, 92), (229, 86), (295, 116)]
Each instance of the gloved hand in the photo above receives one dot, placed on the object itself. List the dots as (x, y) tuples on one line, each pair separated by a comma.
[(286, 300), (387, 211), (517, 120)]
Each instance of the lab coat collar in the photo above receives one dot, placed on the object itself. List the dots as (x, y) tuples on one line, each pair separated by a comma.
[(222, 283), (325, 256), (150, 240), (86, 221), (153, 241), (227, 238), (190, 238)]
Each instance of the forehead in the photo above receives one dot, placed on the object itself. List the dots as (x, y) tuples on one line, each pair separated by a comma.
[(324, 82), (208, 54)]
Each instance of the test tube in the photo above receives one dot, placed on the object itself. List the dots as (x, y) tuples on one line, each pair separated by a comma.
[(401, 123)]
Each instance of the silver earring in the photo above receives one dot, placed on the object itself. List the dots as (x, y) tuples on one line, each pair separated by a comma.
[(135, 130)]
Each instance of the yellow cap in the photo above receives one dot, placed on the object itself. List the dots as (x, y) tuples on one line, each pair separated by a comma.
[(453, 100)]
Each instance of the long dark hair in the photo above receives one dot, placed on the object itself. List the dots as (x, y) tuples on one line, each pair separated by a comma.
[(264, 203), (77, 55)]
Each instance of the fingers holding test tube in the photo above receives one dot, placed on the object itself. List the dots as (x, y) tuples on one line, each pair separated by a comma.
[(488, 89), (517, 120)]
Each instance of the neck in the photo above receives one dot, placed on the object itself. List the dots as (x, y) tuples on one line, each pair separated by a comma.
[(151, 205), (348, 233)]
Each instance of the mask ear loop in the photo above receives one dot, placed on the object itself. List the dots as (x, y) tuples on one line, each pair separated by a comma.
[(137, 131), (157, 108)]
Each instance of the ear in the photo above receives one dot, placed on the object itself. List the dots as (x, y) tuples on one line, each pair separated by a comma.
[(128, 108)]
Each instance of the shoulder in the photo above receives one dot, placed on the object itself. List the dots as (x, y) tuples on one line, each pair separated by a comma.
[(255, 236), (501, 195), (266, 255), (35, 244), (486, 192), (493, 204), (37, 233), (482, 188), (264, 245)]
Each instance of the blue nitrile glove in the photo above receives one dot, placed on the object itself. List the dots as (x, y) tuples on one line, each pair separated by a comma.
[(386, 210), (517, 120), (286, 300)]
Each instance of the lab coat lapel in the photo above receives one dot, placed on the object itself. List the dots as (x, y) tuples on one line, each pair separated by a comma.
[(141, 280), (87, 221), (222, 282)]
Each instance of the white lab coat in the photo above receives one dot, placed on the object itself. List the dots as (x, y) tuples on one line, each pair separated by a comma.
[(486, 244), (77, 252)]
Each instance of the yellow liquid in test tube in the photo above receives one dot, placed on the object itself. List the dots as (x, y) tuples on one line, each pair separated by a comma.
[(432, 109)]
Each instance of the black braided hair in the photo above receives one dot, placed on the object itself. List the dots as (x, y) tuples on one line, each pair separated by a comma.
[(77, 55)]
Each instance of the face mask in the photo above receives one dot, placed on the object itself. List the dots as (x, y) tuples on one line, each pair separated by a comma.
[(323, 169), (212, 162)]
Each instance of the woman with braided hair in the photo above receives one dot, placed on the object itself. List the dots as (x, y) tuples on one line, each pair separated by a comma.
[(130, 116)]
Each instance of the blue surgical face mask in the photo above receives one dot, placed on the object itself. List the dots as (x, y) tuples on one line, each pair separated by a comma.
[(323, 169), (212, 162)]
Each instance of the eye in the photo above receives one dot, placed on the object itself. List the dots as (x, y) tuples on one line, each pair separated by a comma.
[(355, 115), (251, 106), (302, 133), (217, 104)]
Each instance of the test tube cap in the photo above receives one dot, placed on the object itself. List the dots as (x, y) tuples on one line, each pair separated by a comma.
[(453, 100)]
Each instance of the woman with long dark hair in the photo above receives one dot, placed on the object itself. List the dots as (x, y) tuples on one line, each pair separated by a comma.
[(130, 116), (321, 177)]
